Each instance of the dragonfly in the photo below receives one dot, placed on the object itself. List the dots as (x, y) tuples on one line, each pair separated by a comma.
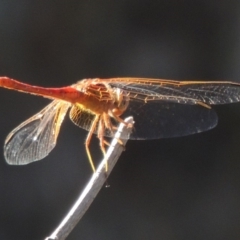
[(161, 108)]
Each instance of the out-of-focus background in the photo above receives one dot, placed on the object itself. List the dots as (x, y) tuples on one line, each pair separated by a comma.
[(180, 188)]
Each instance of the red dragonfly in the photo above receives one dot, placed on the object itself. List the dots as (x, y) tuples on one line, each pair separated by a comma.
[(161, 109)]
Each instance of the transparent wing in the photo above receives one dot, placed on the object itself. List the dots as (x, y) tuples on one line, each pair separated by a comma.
[(155, 120), (184, 92), (35, 138), (82, 118)]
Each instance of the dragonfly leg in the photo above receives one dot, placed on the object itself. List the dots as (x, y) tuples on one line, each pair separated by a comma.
[(118, 140), (121, 143), (102, 142), (204, 105), (120, 120), (101, 128), (106, 143), (111, 127), (88, 140)]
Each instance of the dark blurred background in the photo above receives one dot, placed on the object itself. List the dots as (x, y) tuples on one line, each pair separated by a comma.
[(180, 188)]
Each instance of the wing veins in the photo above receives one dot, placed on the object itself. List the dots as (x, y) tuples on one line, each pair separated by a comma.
[(36, 137)]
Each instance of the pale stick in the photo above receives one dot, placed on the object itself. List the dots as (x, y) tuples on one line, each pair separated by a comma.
[(94, 185)]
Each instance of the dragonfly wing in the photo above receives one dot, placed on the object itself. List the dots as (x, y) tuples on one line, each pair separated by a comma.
[(185, 92), (81, 117), (166, 108), (155, 120), (168, 119), (35, 138)]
